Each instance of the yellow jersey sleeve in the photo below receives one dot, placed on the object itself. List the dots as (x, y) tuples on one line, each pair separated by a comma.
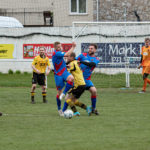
[(77, 74), (34, 61), (72, 67)]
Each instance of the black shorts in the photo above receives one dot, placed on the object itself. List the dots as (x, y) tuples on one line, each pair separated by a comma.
[(38, 78), (88, 87), (78, 91)]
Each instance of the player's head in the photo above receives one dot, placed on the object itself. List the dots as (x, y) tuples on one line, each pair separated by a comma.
[(42, 51), (147, 42), (92, 49), (71, 57), (57, 46)]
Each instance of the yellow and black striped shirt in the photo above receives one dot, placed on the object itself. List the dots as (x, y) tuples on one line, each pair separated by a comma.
[(75, 70)]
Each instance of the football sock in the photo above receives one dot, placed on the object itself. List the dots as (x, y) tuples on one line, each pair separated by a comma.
[(93, 101), (32, 96), (44, 96), (148, 81), (58, 102), (77, 103), (68, 86), (145, 84), (65, 106), (72, 105)]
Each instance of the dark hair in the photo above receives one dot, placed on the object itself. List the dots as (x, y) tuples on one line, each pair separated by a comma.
[(73, 55), (147, 39), (95, 45), (56, 43)]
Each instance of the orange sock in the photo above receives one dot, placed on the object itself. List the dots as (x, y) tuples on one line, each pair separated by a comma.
[(148, 81), (145, 84)]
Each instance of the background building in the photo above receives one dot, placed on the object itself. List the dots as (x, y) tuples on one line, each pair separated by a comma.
[(63, 12), (48, 12), (114, 10)]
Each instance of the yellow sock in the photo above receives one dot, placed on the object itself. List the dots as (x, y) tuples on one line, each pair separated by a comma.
[(77, 103), (71, 104), (44, 96), (32, 96)]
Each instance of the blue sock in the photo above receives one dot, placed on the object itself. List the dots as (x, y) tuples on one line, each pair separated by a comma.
[(93, 100), (58, 102), (65, 106), (69, 85)]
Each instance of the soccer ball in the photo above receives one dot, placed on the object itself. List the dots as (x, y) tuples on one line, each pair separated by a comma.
[(68, 114)]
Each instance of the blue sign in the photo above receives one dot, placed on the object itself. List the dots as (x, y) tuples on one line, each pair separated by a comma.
[(117, 53)]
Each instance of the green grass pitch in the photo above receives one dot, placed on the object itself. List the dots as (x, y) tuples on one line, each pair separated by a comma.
[(123, 123)]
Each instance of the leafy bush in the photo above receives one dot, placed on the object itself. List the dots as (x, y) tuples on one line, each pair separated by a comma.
[(26, 73), (18, 72), (10, 71)]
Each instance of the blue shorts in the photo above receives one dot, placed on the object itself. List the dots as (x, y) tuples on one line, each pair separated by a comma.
[(60, 80), (88, 84)]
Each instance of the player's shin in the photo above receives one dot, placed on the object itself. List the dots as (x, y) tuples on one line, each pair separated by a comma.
[(148, 81), (58, 102), (77, 103), (93, 101), (72, 105), (145, 84), (65, 106), (44, 97), (32, 97), (68, 86), (83, 106)]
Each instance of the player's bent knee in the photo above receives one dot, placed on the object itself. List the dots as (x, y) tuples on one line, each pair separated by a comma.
[(43, 88), (93, 91), (34, 86), (145, 76), (59, 92), (70, 78)]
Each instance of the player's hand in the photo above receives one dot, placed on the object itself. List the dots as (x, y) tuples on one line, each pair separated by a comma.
[(139, 66), (38, 72), (47, 73), (78, 62), (73, 44)]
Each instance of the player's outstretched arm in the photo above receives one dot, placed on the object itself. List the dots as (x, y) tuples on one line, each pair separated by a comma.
[(139, 66), (71, 50), (90, 64)]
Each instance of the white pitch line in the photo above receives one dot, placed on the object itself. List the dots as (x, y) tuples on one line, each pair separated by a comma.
[(26, 115)]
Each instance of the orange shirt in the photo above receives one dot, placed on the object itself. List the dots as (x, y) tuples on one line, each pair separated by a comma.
[(146, 56)]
